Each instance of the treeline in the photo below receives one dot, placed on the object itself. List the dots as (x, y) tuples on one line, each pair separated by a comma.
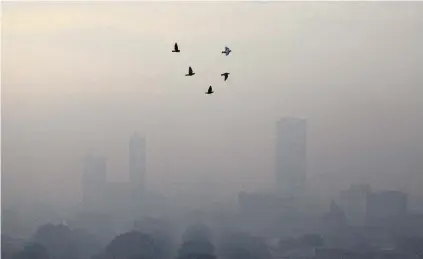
[(150, 241), (154, 239)]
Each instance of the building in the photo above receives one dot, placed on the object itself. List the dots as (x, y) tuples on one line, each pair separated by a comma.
[(291, 156), (334, 220), (99, 195), (94, 182), (354, 203), (385, 208)]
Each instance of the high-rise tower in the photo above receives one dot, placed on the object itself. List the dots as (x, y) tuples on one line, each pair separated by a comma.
[(291, 159)]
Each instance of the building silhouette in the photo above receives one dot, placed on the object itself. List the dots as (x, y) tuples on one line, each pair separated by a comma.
[(100, 195), (354, 202), (291, 156), (334, 220)]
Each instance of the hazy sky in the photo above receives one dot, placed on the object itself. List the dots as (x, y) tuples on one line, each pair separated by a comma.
[(80, 78)]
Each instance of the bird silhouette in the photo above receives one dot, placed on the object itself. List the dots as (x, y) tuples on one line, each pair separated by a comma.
[(226, 74), (190, 73), (176, 49), (210, 90), (226, 51)]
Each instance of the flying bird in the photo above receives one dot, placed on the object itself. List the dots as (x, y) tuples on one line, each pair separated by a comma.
[(225, 75), (190, 73), (176, 49), (226, 51), (210, 91)]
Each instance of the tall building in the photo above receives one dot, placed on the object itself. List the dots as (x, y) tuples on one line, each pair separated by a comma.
[(137, 163), (94, 181), (291, 156), (354, 203)]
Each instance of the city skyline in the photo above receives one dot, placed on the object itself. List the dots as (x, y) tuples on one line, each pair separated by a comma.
[(311, 148), (80, 78)]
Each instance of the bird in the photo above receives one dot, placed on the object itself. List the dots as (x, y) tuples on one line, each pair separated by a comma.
[(210, 91), (190, 73), (176, 49), (226, 74), (226, 51)]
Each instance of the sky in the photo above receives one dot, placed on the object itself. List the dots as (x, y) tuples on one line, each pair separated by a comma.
[(80, 78)]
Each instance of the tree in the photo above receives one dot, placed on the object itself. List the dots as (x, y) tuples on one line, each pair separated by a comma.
[(237, 252), (86, 243), (196, 247), (197, 232), (244, 246), (287, 244), (199, 256), (33, 251), (161, 231), (197, 244), (59, 241), (9, 247), (132, 245), (311, 240)]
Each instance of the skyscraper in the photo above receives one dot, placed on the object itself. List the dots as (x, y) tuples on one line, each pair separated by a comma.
[(137, 163), (291, 156)]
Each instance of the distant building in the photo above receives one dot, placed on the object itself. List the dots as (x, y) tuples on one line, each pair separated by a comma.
[(137, 164), (354, 203), (291, 159), (261, 211), (102, 196), (335, 219), (94, 182), (386, 207)]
